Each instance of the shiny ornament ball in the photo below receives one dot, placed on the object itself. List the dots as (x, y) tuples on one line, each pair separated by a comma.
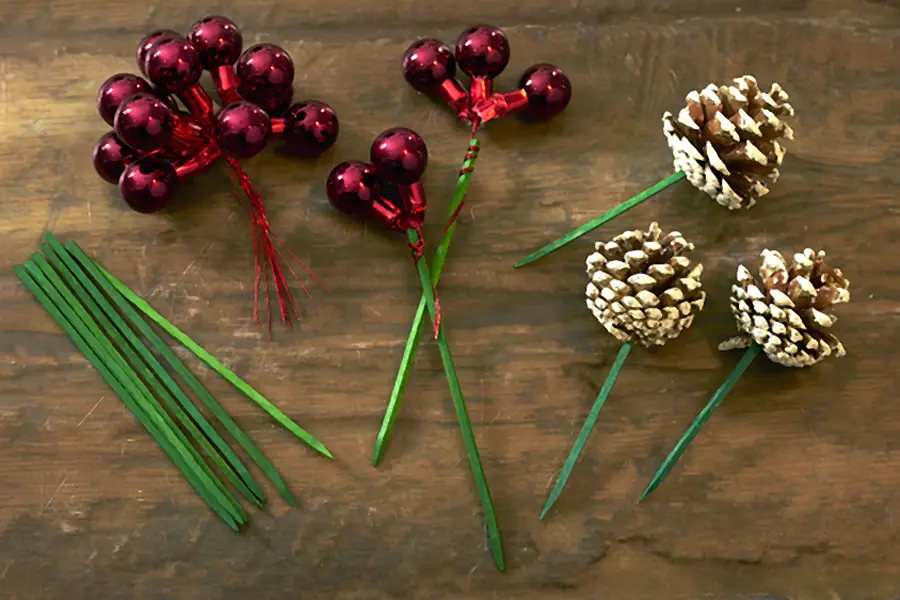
[(428, 63), (148, 184), (310, 128), (482, 51), (276, 106), (148, 42), (353, 187), (264, 70), (218, 41), (111, 157), (173, 65), (116, 90), (399, 156), (243, 129), (548, 90), (144, 122)]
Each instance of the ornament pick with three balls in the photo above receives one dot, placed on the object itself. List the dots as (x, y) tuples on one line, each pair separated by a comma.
[(643, 289), (429, 65), (725, 142), (388, 191), (155, 143), (785, 314)]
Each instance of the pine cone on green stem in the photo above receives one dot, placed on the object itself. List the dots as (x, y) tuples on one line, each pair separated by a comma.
[(643, 288), (726, 140), (788, 315)]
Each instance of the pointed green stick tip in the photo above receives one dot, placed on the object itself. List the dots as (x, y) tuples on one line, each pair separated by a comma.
[(597, 222)]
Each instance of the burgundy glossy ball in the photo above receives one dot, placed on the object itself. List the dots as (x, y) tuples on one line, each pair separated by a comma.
[(399, 156), (116, 90), (173, 65), (310, 128), (275, 106), (144, 122), (242, 129), (427, 64), (218, 41), (353, 187), (111, 157), (149, 40), (148, 184), (482, 51), (548, 90), (264, 70)]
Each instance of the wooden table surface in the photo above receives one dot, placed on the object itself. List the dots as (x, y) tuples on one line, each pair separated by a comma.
[(789, 491)]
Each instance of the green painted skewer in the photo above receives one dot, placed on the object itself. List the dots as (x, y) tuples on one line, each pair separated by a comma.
[(160, 381), (132, 381), (122, 301), (607, 216), (203, 355), (44, 273), (462, 414), (703, 417), (587, 428), (412, 342), (85, 342)]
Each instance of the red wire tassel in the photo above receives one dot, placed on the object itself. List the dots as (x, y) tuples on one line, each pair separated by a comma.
[(266, 244), (418, 250)]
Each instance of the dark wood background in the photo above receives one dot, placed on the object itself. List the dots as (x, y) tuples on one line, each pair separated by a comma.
[(789, 492)]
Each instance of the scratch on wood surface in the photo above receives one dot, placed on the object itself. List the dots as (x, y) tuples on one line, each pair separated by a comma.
[(45, 426), (53, 496), (6, 568), (90, 412)]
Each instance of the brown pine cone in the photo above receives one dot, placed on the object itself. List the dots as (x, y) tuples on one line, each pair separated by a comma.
[(726, 140), (788, 315), (643, 288)]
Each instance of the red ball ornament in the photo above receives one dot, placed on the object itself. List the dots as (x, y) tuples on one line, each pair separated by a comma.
[(243, 129), (173, 65), (144, 123), (264, 70), (547, 89), (427, 64), (218, 40), (482, 51), (310, 128), (111, 157), (353, 187), (116, 90), (148, 184), (399, 156), (276, 106), (148, 42)]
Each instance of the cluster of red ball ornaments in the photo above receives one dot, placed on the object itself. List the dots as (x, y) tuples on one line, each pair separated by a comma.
[(155, 143), (482, 53)]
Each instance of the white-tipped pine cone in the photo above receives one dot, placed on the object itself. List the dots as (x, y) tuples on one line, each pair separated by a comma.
[(643, 288), (788, 314), (726, 140)]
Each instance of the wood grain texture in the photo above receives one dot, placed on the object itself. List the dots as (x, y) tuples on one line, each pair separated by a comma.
[(790, 490)]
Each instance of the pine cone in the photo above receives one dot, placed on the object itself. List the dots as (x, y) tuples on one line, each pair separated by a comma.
[(643, 288), (786, 315), (726, 140)]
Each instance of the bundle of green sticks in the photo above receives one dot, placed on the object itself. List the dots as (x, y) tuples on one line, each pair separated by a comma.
[(111, 326)]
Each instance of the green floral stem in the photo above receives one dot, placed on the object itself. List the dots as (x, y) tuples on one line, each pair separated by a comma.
[(595, 223), (703, 417), (587, 428), (412, 342)]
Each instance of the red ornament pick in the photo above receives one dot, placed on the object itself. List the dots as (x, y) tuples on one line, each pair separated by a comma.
[(156, 144)]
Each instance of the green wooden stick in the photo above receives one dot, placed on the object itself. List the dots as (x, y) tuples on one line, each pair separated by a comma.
[(202, 354), (702, 418), (122, 301), (587, 428), (39, 267), (462, 414), (153, 372), (56, 306), (607, 216), (412, 342)]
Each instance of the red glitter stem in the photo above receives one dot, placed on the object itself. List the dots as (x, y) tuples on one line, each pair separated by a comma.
[(500, 105), (226, 82), (480, 89), (266, 243), (198, 102)]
